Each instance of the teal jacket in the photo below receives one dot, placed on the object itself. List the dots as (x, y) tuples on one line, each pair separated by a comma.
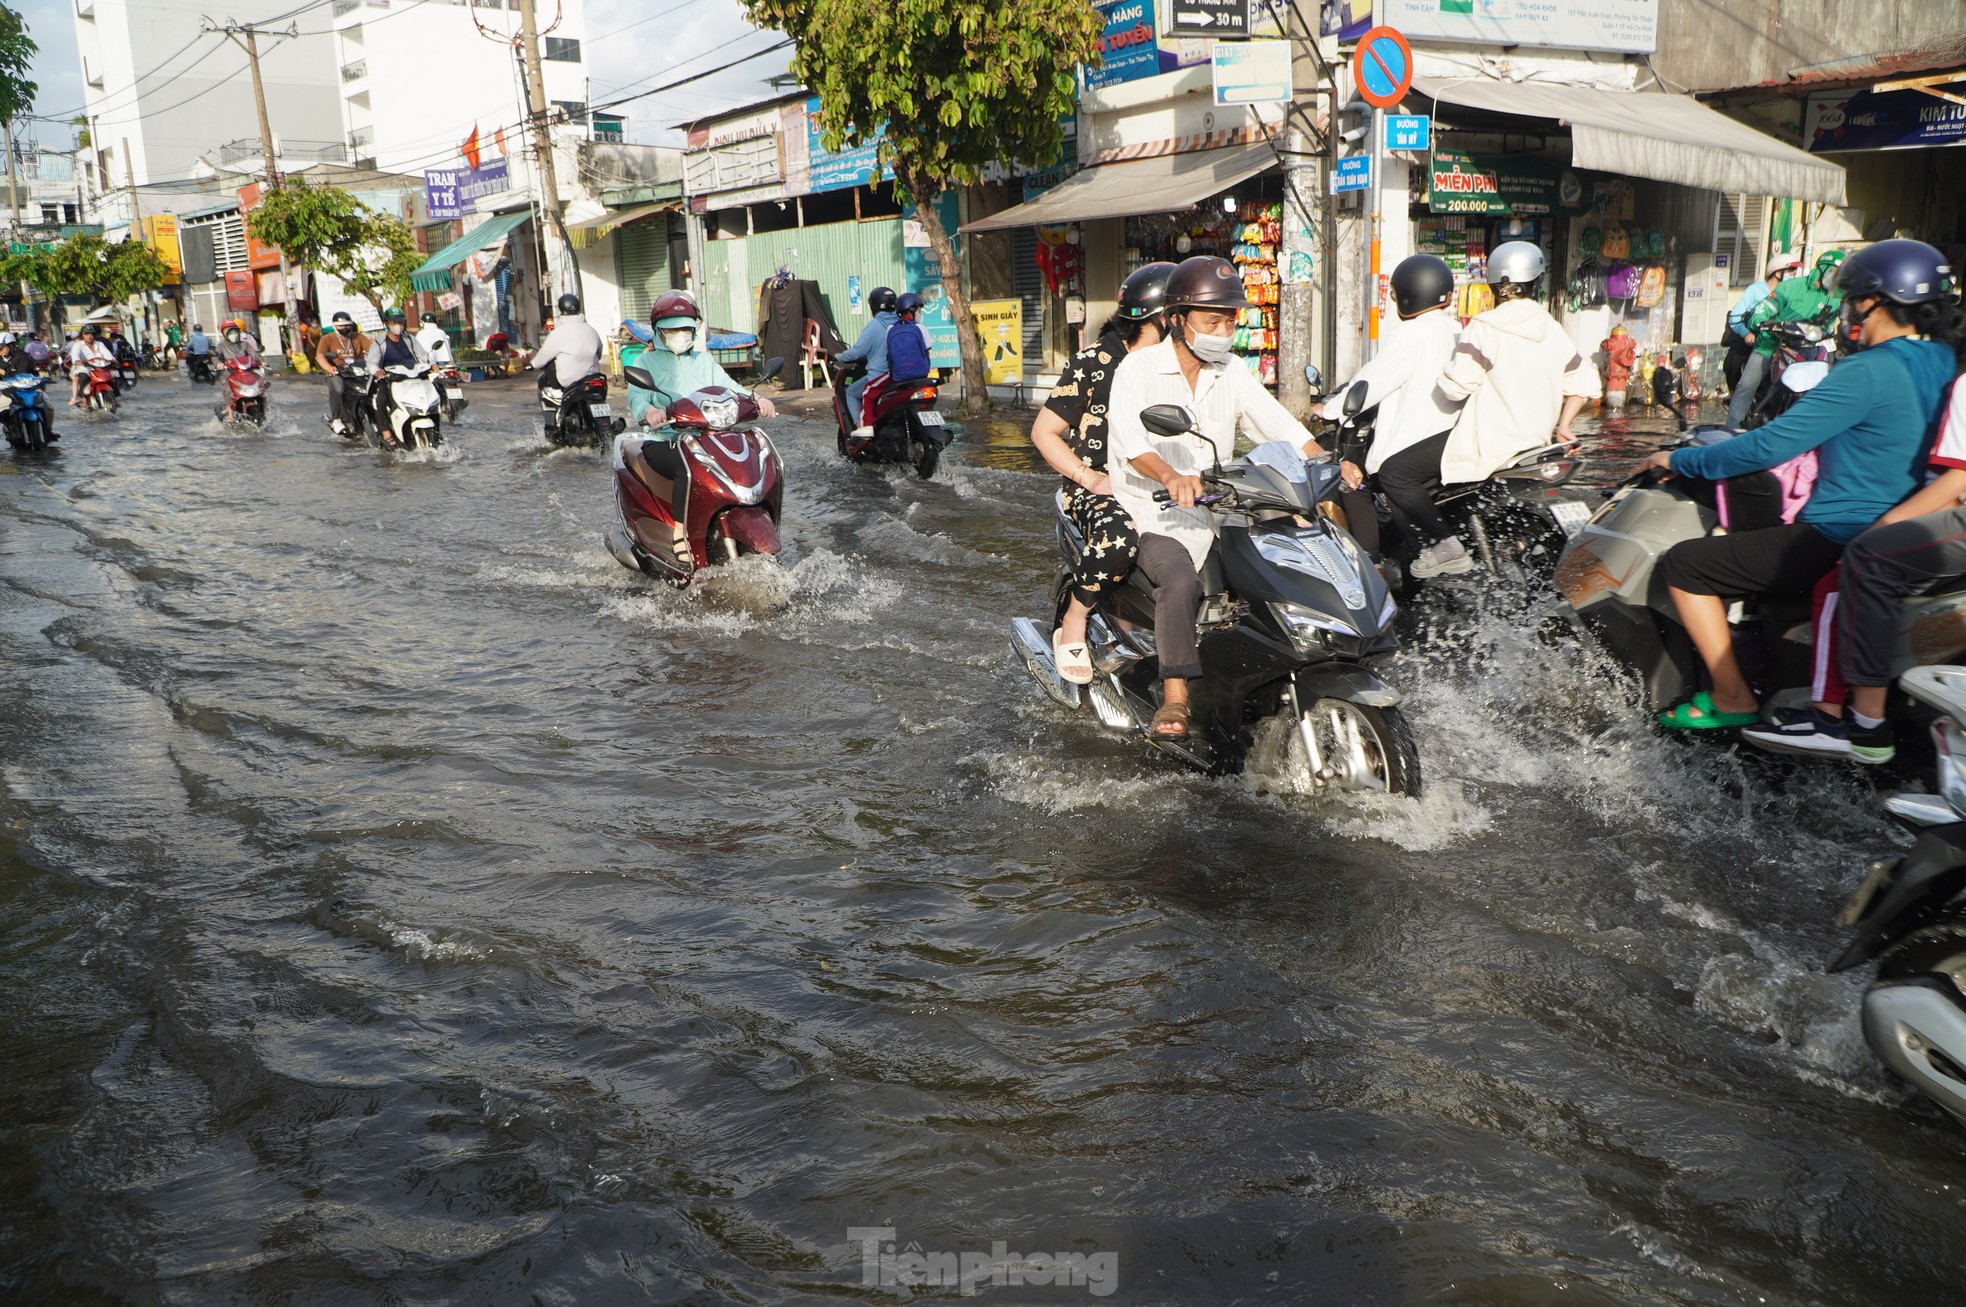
[(675, 375), (1871, 424)]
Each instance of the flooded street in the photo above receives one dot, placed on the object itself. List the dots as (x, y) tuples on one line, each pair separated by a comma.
[(402, 902)]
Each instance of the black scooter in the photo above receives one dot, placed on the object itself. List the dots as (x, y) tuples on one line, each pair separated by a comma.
[(1294, 616), (199, 370)]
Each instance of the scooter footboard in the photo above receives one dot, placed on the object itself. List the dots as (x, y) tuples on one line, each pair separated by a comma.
[(1921, 884)]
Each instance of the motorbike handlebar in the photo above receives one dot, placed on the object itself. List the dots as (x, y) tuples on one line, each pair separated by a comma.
[(1208, 500)]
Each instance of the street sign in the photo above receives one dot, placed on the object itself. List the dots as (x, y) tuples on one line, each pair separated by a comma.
[(1408, 131), (1382, 67), (1223, 19), (1251, 72), (1353, 173)]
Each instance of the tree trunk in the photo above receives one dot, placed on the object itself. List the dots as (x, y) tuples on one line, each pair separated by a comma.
[(976, 394)]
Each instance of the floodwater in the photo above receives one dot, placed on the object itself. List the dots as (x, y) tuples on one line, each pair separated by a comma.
[(402, 903)]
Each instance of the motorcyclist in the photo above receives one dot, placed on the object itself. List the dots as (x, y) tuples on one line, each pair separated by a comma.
[(395, 348), (1745, 365), (124, 352), (197, 350), (869, 350), (36, 350), (436, 342), (571, 350), (341, 347), (1414, 417), (235, 342), (84, 354), (1070, 434), (1870, 423), (1810, 298), (1196, 368)]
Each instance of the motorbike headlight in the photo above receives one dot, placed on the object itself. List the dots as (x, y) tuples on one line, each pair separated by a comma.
[(721, 414), (1307, 628)]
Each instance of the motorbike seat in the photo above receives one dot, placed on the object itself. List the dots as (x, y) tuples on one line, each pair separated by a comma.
[(1949, 586)]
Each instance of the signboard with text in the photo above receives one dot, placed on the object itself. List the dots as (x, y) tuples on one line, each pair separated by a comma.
[(1251, 72), (1881, 120), (1502, 184), (1408, 131), (1127, 45), (1353, 173), (160, 234), (1626, 25), (924, 274), (1000, 327), (453, 192), (828, 171), (1222, 19)]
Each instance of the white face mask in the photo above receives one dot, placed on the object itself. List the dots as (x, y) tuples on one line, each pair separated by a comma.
[(1212, 349), (678, 339)]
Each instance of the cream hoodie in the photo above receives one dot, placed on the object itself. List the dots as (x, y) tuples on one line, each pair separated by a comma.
[(1513, 367)]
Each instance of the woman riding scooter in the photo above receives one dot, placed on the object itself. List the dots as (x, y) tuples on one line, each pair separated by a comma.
[(1870, 424)]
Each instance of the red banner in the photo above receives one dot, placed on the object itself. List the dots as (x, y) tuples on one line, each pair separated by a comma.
[(257, 255), (241, 290)]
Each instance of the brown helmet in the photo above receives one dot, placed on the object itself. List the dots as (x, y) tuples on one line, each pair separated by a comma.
[(675, 304), (1205, 282)]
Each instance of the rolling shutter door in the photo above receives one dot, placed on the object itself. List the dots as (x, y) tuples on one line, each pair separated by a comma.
[(641, 252)]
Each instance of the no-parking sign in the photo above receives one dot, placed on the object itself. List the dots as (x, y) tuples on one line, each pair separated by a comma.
[(1382, 67)]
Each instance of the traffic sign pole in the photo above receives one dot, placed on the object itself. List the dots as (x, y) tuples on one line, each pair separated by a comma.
[(1374, 220)]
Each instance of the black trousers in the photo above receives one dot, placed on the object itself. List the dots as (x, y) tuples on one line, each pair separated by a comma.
[(1177, 604), (1774, 560), (1411, 479), (1882, 568)]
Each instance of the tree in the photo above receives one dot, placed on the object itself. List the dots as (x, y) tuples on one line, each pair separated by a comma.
[(329, 230), (86, 265), (17, 52), (965, 83)]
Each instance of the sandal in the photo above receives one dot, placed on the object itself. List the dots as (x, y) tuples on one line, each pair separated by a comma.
[(1073, 661), (1699, 714), (1170, 714)]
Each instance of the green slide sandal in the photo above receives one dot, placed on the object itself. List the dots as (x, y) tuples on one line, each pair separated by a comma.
[(1698, 714)]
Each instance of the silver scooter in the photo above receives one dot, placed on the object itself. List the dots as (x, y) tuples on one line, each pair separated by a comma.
[(1910, 915)]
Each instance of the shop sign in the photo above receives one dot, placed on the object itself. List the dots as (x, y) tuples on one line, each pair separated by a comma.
[(1622, 25), (241, 290), (1500, 184), (1222, 19), (1251, 72), (258, 257), (1127, 46), (1881, 120), (1353, 173), (923, 272), (827, 171), (160, 234), (1000, 326), (1409, 131), (1345, 19), (453, 192)]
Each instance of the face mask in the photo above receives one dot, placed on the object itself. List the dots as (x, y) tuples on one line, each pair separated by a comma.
[(395, 328), (1212, 349), (1853, 321), (232, 336), (678, 339), (346, 329)]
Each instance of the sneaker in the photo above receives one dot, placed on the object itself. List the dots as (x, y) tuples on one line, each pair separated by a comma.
[(1874, 745), (862, 433), (1807, 729), (1443, 558)]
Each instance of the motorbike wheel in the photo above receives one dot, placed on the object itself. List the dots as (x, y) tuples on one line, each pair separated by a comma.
[(927, 455), (36, 440), (1363, 749)]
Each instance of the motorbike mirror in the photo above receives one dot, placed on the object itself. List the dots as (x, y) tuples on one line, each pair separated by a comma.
[(1314, 377), (1167, 420), (1354, 400), (640, 377), (771, 369)]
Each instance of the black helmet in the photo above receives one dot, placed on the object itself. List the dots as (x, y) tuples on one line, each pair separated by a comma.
[(341, 317), (1904, 272), (1421, 282), (881, 300), (1205, 282), (567, 303), (1144, 292)]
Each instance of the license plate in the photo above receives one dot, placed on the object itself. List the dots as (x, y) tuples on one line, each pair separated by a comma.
[(1570, 515), (600, 410), (930, 418)]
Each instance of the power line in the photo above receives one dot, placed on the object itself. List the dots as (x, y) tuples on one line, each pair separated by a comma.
[(602, 36), (102, 103), (693, 77)]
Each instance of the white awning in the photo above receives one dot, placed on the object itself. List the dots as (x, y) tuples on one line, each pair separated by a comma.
[(1668, 138), (1167, 184)]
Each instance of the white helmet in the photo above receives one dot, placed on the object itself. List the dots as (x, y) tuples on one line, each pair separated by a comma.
[(1784, 263), (1516, 263)]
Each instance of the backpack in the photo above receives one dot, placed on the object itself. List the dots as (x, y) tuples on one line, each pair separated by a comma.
[(907, 352)]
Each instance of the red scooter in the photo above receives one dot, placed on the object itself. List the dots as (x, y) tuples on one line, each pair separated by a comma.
[(905, 426), (713, 493), (100, 393), (245, 392)]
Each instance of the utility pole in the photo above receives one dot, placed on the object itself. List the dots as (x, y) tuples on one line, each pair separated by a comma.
[(13, 196), (246, 37), (554, 227)]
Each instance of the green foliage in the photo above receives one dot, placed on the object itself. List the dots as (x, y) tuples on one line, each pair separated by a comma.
[(89, 266), (81, 123), (327, 229), (17, 52)]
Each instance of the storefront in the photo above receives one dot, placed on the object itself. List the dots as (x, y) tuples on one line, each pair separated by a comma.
[(489, 269)]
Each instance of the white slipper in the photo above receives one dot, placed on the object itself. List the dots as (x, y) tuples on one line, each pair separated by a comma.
[(1073, 661)]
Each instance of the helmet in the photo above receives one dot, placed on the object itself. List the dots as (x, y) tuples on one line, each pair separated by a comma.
[(393, 314), (568, 303), (1516, 263), (881, 300), (1784, 263), (1421, 282), (909, 303), (197, 326), (1144, 292), (676, 308), (1904, 272), (340, 318), (1205, 282), (1826, 265)]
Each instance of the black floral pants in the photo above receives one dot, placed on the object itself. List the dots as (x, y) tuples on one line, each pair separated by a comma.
[(1111, 544)]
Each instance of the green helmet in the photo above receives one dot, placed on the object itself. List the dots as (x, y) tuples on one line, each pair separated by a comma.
[(394, 315), (1827, 265)]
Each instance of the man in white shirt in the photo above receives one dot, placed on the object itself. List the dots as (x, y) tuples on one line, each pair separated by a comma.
[(84, 353), (1414, 417), (436, 342), (1194, 367)]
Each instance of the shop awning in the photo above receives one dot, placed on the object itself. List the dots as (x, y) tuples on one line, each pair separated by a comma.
[(590, 230), (435, 274), (1667, 138), (1120, 190)]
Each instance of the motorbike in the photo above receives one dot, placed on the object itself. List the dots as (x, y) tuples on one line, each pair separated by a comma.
[(198, 369), (100, 392), (1909, 916), (245, 392), (449, 382), (579, 414), (906, 428), (25, 419), (1797, 344), (126, 372), (405, 407), (1294, 616), (712, 495), (358, 386)]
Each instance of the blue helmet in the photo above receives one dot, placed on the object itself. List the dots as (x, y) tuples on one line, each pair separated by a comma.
[(1904, 272), (908, 303)]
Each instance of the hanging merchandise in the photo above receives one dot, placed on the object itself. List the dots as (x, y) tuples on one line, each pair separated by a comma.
[(1623, 281), (1651, 286), (1590, 242), (1059, 264), (1617, 243), (1256, 234)]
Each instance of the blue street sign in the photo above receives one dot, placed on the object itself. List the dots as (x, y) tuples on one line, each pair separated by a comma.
[(1408, 131), (1354, 173)]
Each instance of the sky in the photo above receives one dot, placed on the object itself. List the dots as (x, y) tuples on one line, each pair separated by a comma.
[(631, 45)]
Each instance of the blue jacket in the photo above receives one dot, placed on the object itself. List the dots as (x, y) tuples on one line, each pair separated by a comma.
[(198, 343), (1737, 317), (872, 344), (675, 375), (1870, 423)]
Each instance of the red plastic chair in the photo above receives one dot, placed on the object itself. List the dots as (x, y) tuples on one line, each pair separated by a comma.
[(811, 355)]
